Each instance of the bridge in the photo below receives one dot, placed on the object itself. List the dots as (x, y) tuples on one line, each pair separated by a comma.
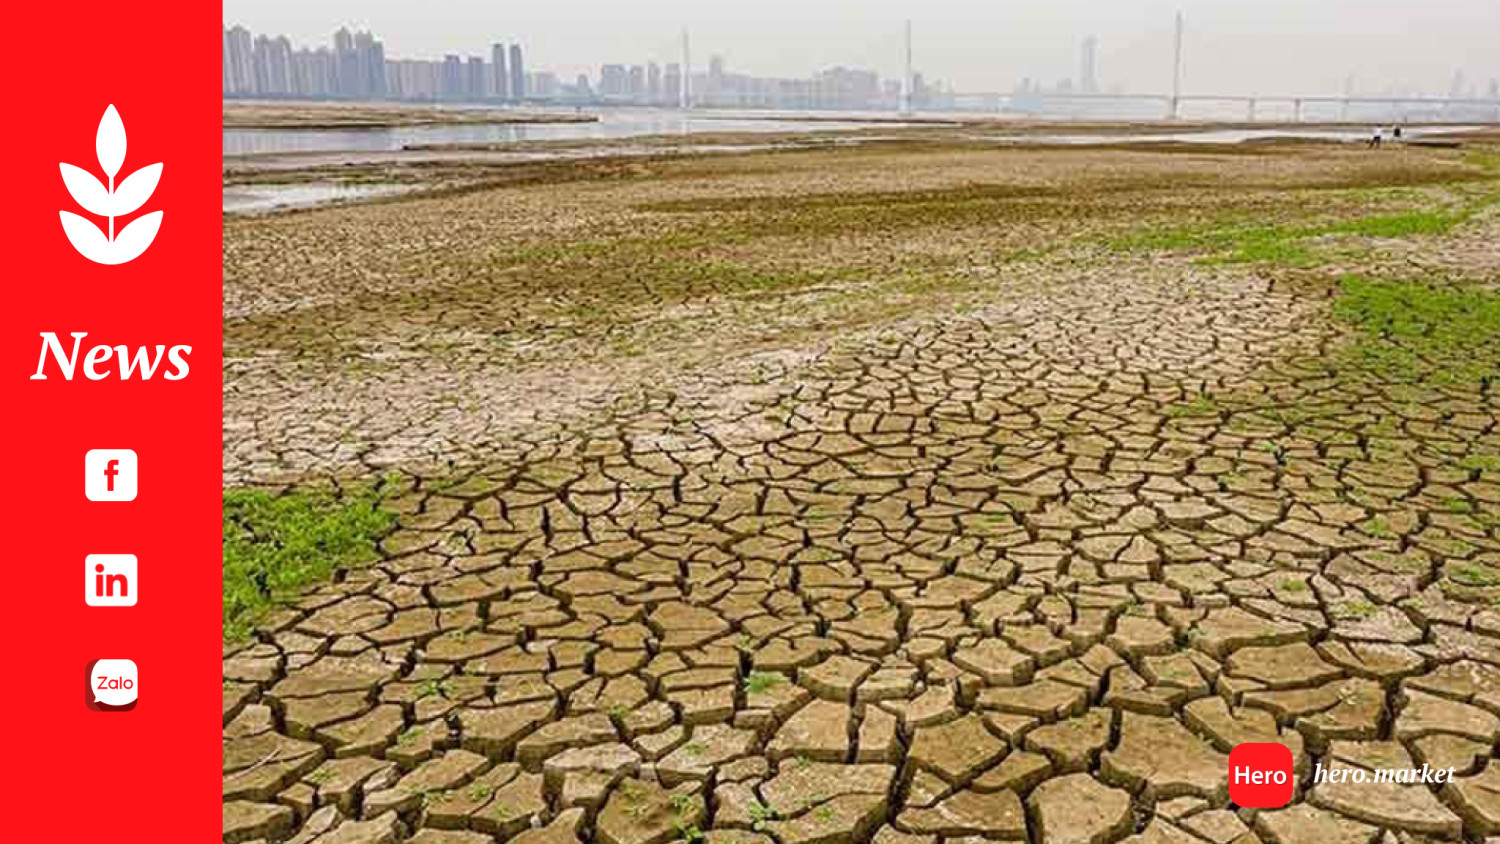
[(1402, 108), (1399, 108)]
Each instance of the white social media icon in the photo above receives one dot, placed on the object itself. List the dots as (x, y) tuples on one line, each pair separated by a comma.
[(114, 682), (110, 580), (109, 474)]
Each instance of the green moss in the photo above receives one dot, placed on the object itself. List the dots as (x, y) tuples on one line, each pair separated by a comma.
[(277, 545)]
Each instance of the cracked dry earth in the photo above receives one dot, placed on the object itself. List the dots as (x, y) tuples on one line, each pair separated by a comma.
[(988, 575)]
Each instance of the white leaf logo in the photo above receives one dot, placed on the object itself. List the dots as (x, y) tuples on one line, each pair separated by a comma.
[(111, 202)]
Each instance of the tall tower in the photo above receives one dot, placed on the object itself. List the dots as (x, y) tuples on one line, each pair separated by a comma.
[(1088, 79), (517, 74), (1177, 70), (687, 71), (501, 75), (906, 80)]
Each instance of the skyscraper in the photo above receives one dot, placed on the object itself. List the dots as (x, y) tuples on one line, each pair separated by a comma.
[(369, 63), (1458, 88), (653, 84), (474, 85), (346, 68), (517, 74), (239, 63), (453, 77), (613, 80), (498, 66), (262, 62), (672, 85), (1088, 78)]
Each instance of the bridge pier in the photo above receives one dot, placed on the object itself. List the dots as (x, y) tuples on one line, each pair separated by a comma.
[(1250, 111), (1297, 110)]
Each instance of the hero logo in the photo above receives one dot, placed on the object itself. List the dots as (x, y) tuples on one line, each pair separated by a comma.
[(95, 362), (111, 202)]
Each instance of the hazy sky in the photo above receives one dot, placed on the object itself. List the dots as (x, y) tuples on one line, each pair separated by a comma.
[(1264, 46)]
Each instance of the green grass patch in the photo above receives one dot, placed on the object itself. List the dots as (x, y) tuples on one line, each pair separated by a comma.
[(1232, 240), (1407, 224), (277, 545), (1414, 330)]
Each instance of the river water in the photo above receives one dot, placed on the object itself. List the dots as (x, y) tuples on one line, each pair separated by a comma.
[(613, 124), (295, 148)]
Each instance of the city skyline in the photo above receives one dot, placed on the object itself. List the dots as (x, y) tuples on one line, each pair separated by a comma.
[(1277, 46), (354, 65)]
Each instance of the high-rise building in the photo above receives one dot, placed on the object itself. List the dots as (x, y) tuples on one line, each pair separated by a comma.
[(262, 59), (501, 84), (672, 84), (239, 61), (613, 81), (1458, 88), (474, 87), (1088, 76), (715, 76), (543, 84), (517, 74), (346, 67), (369, 62), (453, 77), (653, 84)]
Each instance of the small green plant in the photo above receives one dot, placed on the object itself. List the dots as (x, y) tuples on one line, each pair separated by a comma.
[(760, 682), (760, 816), (1356, 611), (431, 687), (1292, 586), (1378, 528)]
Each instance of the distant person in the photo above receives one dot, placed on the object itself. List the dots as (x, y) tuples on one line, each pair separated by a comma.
[(1396, 133), (1377, 137)]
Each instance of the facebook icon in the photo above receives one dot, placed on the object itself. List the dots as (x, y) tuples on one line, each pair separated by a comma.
[(109, 474)]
